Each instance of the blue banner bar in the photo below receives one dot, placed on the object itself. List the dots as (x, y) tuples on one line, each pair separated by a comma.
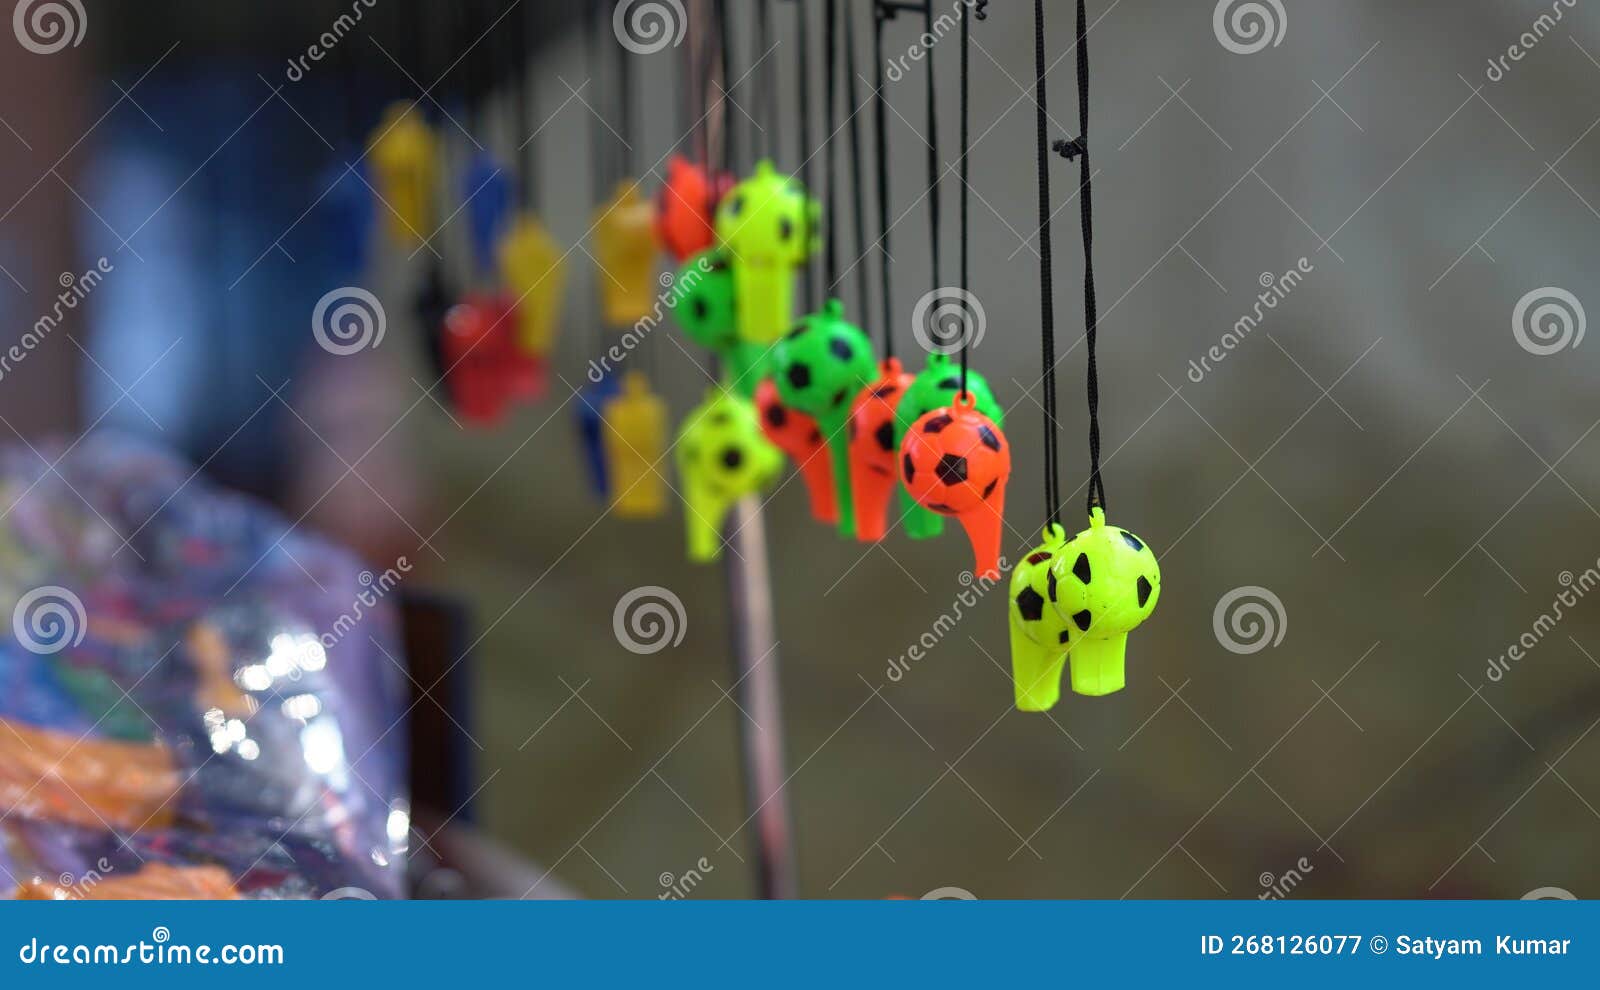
[(803, 944)]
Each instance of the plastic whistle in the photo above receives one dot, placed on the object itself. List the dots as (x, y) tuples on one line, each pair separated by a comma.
[(955, 461)]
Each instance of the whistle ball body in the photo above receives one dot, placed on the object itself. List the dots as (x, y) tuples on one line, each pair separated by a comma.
[(635, 436), (768, 224), (625, 250), (1041, 626), (819, 367), (701, 302), (872, 449), (348, 213), (405, 156), (722, 457), (798, 436), (591, 431), (955, 462), (480, 359), (686, 205), (936, 387), (1119, 581), (486, 193), (532, 269)]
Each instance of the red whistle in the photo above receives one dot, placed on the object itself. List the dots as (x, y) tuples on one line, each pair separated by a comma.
[(484, 371), (955, 461), (797, 435), (685, 205), (872, 450)]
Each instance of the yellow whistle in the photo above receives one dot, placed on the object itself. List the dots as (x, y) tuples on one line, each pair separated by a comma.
[(532, 270), (625, 248), (722, 457), (405, 160), (635, 439)]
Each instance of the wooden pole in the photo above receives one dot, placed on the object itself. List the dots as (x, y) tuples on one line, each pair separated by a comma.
[(759, 695)]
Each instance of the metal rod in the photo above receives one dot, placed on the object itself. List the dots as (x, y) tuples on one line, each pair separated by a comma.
[(755, 661)]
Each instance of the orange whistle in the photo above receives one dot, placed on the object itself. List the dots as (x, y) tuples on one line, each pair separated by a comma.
[(685, 204), (872, 449), (797, 435), (955, 461)]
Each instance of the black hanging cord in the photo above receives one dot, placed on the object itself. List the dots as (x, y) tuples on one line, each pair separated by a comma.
[(883, 13), (769, 80), (966, 150), (857, 185), (730, 152), (933, 153), (625, 155), (525, 104), (597, 151), (802, 81), (1079, 148), (1052, 477), (705, 76), (830, 42)]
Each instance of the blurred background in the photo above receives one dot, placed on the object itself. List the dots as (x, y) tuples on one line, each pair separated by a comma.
[(1395, 459)]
